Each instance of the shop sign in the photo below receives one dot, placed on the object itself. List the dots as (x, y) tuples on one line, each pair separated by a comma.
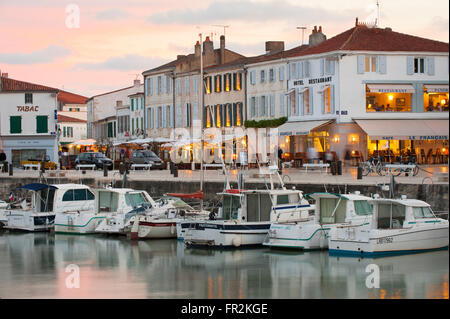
[(419, 137), (28, 108)]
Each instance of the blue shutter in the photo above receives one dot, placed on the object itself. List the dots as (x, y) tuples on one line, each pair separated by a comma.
[(281, 104), (272, 105), (382, 64), (360, 64), (322, 66), (332, 99), (281, 75), (430, 65)]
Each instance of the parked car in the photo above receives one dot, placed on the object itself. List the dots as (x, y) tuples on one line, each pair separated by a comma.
[(146, 157), (97, 158)]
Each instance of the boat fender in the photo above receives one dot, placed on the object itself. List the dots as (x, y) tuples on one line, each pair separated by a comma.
[(172, 229), (236, 241)]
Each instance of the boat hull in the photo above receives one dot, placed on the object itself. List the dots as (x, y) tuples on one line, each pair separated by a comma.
[(303, 236), (83, 223), (226, 234), (392, 242), (154, 229), (29, 221)]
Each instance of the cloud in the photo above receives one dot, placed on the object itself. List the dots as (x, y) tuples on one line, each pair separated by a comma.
[(46, 55), (112, 14), (248, 11), (123, 63)]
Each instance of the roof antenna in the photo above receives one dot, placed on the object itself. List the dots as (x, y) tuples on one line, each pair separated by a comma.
[(377, 23)]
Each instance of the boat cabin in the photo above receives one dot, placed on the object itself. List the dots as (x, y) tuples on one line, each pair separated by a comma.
[(334, 208), (121, 200), (400, 213), (261, 205)]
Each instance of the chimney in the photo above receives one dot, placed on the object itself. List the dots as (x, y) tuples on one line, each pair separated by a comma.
[(137, 83), (208, 46), (180, 56), (274, 47), (197, 49), (316, 36), (222, 49), (5, 75)]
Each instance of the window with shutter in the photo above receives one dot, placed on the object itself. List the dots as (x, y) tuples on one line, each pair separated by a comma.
[(281, 73), (430, 65), (42, 124), (272, 105), (281, 104), (151, 86), (262, 76), (360, 64), (28, 98)]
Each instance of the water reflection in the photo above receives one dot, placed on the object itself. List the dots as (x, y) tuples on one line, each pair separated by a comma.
[(34, 266)]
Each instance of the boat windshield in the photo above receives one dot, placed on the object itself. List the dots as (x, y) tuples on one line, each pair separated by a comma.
[(363, 208), (423, 212), (135, 199), (231, 204)]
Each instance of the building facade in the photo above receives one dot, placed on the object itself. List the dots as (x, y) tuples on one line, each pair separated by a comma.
[(368, 90), (28, 121)]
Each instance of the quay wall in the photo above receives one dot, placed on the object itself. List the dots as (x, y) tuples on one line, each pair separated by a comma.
[(437, 195)]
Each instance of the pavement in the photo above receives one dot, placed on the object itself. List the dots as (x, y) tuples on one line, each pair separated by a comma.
[(428, 174)]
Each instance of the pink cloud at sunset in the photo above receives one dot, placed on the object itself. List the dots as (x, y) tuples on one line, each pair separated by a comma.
[(118, 40)]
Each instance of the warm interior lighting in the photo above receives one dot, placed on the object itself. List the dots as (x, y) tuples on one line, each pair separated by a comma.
[(238, 82), (443, 150), (287, 139), (391, 97), (336, 139), (443, 102), (227, 82), (370, 106), (353, 152), (353, 139)]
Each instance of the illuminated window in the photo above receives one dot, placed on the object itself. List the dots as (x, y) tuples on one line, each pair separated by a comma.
[(208, 85), (388, 102), (434, 101), (207, 112), (238, 114), (228, 115), (218, 83), (305, 101), (371, 64), (237, 80), (328, 108), (227, 82)]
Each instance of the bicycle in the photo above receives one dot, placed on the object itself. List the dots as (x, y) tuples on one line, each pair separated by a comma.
[(372, 165), (411, 161)]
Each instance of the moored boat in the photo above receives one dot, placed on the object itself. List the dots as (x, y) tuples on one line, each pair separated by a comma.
[(311, 232), (398, 226)]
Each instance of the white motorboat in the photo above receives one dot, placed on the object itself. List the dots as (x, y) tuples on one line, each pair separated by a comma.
[(120, 205), (35, 213), (78, 213), (311, 232), (161, 221), (245, 217), (398, 226), (3, 206)]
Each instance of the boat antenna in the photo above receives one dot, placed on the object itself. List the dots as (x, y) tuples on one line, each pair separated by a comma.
[(202, 142)]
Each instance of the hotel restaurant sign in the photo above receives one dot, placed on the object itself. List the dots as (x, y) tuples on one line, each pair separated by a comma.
[(321, 80)]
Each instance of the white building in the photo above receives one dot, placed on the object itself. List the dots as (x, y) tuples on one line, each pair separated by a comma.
[(368, 89), (103, 111), (28, 121), (71, 129)]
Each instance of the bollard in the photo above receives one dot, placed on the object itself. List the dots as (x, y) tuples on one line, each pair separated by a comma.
[(175, 171), (121, 168), (105, 171), (172, 168), (127, 168), (10, 169), (339, 167), (333, 166), (360, 170)]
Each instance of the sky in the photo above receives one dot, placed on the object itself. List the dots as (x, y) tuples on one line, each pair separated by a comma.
[(91, 47)]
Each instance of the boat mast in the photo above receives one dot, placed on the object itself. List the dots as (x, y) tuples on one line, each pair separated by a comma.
[(202, 124)]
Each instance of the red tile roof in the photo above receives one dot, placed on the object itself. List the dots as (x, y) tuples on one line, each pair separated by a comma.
[(71, 98), (68, 119), (11, 85), (364, 38)]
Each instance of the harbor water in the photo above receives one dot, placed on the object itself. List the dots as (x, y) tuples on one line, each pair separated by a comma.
[(44, 265)]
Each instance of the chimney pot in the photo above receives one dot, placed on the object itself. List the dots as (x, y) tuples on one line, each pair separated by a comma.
[(320, 28)]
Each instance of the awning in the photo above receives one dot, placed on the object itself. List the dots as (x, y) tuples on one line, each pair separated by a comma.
[(85, 142), (36, 187), (437, 88), (405, 129), (300, 128), (391, 88)]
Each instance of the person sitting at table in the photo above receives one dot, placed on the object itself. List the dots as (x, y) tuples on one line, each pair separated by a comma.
[(388, 108)]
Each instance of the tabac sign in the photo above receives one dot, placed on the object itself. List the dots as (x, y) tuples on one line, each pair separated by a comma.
[(28, 108)]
